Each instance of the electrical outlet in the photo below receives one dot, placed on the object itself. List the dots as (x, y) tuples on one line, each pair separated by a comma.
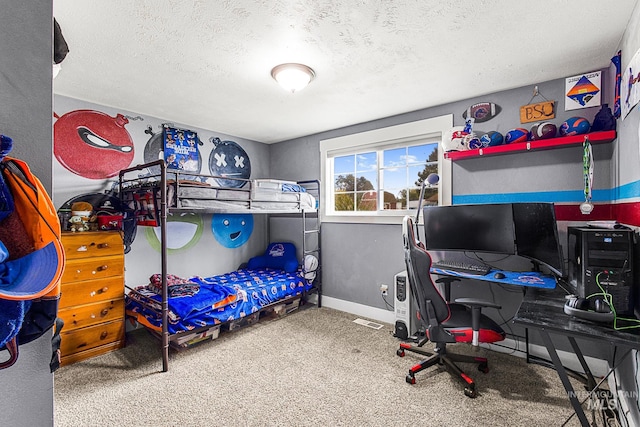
[(384, 289)]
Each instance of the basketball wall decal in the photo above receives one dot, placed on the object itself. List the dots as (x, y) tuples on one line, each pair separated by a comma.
[(482, 111)]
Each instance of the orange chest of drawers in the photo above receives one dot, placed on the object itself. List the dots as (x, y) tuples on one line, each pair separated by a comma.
[(92, 295)]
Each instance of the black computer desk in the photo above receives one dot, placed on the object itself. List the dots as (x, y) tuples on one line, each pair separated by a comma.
[(542, 310)]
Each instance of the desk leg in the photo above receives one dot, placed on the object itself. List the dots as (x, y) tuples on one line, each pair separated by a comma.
[(591, 382), (562, 373), (526, 343)]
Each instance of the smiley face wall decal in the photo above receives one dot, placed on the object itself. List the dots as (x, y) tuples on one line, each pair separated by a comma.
[(92, 144), (232, 230), (183, 232)]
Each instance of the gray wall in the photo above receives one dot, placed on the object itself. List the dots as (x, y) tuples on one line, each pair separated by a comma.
[(25, 116), (353, 272), (358, 258), (207, 257)]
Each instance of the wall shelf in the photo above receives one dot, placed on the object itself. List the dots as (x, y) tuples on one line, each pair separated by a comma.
[(602, 137)]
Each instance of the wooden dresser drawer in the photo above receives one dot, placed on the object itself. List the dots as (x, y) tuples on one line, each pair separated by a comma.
[(82, 316), (92, 295), (89, 292), (68, 359), (90, 337), (93, 268), (92, 244)]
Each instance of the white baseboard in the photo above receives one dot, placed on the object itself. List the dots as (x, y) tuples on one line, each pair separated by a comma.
[(598, 367), (372, 313)]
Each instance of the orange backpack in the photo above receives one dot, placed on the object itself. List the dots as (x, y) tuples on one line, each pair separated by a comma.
[(31, 281)]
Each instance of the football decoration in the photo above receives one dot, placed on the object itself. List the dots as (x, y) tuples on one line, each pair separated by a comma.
[(491, 139), (516, 135), (575, 126), (482, 111), (457, 140), (472, 141), (543, 131)]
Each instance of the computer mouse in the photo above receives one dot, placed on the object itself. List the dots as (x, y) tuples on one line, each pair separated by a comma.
[(499, 275)]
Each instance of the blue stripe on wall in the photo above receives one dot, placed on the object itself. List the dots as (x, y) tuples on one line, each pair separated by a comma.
[(572, 196), (629, 191)]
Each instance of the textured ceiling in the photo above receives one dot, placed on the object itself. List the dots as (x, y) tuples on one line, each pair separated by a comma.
[(207, 63)]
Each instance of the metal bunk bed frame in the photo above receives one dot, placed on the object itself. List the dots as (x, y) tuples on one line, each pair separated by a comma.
[(162, 220)]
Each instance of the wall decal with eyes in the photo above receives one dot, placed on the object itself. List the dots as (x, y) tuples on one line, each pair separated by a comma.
[(92, 144), (232, 230), (228, 159)]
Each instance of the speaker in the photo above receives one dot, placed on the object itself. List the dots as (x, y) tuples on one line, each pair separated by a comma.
[(403, 307), (594, 309)]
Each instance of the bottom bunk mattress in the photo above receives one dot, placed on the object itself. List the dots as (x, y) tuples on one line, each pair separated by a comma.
[(199, 302)]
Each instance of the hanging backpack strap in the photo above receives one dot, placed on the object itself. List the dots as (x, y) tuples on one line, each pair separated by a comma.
[(12, 348), (55, 345)]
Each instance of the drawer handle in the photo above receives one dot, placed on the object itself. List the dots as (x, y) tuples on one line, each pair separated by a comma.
[(103, 245), (103, 290), (103, 335), (102, 268), (104, 312)]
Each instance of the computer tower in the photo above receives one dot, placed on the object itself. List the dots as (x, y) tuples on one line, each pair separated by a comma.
[(403, 306), (602, 260)]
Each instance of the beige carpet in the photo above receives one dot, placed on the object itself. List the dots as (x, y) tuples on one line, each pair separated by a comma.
[(314, 367)]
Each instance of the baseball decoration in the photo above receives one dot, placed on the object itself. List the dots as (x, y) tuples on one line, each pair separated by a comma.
[(575, 126), (516, 135), (543, 131), (482, 111), (491, 139)]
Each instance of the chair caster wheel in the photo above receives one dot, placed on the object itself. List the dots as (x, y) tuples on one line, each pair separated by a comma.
[(483, 367), (410, 379), (400, 352), (470, 392)]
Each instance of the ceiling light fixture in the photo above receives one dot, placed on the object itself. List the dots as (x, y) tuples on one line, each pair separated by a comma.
[(293, 77)]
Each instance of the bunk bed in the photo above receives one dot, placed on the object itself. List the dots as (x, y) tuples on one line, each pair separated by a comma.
[(264, 284)]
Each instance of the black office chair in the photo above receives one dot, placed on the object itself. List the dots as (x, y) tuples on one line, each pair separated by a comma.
[(444, 322)]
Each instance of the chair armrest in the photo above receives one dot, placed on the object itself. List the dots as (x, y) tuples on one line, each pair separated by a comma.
[(472, 302)]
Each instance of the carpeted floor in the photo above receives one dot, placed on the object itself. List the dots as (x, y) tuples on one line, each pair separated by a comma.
[(314, 367)]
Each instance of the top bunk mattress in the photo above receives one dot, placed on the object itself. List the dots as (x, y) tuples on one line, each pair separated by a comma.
[(262, 195)]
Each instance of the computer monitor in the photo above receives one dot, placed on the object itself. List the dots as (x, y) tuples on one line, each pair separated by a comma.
[(474, 228), (537, 235)]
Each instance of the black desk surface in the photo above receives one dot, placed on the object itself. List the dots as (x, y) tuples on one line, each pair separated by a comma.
[(543, 309)]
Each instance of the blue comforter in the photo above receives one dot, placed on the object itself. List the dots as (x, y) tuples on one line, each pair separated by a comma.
[(219, 299)]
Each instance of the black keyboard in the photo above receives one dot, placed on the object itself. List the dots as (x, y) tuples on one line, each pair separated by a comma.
[(462, 267)]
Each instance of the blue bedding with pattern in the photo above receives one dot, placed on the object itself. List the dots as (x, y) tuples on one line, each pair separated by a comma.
[(214, 301)]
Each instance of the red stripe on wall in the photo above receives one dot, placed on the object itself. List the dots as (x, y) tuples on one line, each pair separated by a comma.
[(573, 213), (624, 213), (628, 213)]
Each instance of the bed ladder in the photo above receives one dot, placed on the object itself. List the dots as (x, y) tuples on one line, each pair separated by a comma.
[(311, 232)]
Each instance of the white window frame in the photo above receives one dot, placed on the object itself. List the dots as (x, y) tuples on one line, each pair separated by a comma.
[(427, 129)]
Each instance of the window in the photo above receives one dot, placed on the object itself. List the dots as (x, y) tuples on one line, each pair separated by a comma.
[(385, 179), (378, 174)]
